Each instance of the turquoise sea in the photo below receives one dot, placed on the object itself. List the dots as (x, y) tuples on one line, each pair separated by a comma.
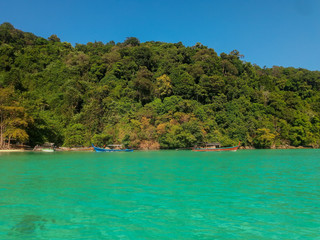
[(248, 194)]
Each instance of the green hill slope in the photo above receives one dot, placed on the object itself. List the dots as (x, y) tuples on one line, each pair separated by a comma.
[(149, 95)]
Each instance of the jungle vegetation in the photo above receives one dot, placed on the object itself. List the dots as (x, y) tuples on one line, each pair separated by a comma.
[(149, 95)]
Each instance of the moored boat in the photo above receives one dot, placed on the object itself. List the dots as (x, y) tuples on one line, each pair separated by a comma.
[(46, 147), (97, 149), (214, 147), (47, 150)]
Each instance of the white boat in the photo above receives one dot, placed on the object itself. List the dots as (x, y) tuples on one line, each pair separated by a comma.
[(47, 150)]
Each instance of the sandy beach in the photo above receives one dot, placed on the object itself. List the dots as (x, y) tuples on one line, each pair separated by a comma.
[(14, 150)]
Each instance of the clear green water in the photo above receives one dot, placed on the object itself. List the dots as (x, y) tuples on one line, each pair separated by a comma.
[(258, 194)]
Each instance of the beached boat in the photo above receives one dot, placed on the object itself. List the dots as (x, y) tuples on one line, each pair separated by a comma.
[(47, 150), (214, 147), (111, 148), (47, 147)]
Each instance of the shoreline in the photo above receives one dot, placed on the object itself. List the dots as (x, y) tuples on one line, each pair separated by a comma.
[(276, 147), (91, 149), (14, 150)]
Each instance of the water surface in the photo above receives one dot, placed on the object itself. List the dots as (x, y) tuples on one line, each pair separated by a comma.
[(252, 194)]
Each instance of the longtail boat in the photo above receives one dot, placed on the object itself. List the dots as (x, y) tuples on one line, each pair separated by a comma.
[(97, 149), (214, 147)]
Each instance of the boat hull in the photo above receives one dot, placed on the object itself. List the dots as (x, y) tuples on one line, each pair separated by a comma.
[(111, 150), (47, 150), (234, 148)]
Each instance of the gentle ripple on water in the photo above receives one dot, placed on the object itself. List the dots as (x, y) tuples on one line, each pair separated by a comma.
[(258, 194)]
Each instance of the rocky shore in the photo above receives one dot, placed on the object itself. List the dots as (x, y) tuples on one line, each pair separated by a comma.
[(280, 147)]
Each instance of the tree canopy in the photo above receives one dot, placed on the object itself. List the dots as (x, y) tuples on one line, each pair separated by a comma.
[(149, 95)]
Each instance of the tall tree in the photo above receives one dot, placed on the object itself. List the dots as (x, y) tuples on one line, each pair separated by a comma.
[(13, 119)]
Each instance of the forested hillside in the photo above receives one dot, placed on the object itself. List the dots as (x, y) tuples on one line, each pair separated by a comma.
[(149, 95)]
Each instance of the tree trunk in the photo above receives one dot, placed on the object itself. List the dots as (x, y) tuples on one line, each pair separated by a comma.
[(1, 132), (9, 142), (1, 137)]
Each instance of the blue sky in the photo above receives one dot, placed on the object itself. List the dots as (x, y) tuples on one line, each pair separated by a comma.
[(275, 32)]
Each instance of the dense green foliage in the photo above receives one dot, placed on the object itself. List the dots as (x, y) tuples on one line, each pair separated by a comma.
[(152, 94)]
